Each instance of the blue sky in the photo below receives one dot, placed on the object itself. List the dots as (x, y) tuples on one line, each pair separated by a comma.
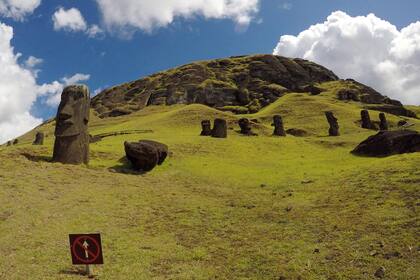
[(112, 58)]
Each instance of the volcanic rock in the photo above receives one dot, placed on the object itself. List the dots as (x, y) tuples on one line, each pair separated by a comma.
[(245, 126), (383, 125), (366, 122), (39, 139), (278, 126), (71, 132), (205, 128), (143, 156), (219, 129), (333, 122), (386, 143)]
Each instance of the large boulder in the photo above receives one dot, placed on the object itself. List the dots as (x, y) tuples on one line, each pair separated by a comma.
[(71, 144), (387, 143), (143, 157), (161, 149)]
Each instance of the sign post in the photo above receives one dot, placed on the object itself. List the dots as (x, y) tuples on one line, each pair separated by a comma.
[(86, 249)]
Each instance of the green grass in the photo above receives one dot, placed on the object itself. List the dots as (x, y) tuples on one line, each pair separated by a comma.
[(216, 209)]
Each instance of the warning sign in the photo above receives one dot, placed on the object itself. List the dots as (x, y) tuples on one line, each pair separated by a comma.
[(86, 248)]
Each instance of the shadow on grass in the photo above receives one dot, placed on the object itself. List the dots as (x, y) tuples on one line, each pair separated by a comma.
[(74, 271), (125, 167), (36, 158)]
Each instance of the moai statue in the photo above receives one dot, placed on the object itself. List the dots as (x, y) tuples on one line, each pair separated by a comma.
[(9, 143), (384, 123), (366, 122), (245, 126), (278, 126), (39, 139), (219, 129), (15, 142), (71, 131), (332, 120), (205, 128)]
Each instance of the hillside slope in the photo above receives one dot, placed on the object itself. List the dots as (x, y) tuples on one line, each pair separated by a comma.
[(243, 84), (238, 208)]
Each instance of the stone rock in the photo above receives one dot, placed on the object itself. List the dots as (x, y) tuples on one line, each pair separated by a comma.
[(393, 109), (278, 126), (161, 149), (312, 89), (333, 122), (383, 122), (71, 131), (386, 143), (380, 272), (366, 122), (245, 126), (39, 139), (219, 129), (205, 128), (348, 95), (143, 156), (297, 132)]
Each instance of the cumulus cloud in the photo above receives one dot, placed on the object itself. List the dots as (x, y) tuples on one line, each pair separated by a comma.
[(366, 48), (150, 14), (18, 9), (17, 90), (72, 20), (52, 91)]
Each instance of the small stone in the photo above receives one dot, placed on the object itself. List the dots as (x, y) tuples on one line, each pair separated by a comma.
[(316, 250), (391, 255), (289, 208), (263, 185), (380, 272)]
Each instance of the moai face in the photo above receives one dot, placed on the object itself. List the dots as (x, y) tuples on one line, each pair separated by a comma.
[(73, 111)]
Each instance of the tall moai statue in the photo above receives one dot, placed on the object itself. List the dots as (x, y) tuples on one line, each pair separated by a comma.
[(333, 122), (278, 126), (39, 139), (366, 122), (205, 128), (71, 131), (219, 129), (383, 125)]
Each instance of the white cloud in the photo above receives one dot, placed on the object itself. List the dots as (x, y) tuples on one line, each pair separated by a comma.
[(147, 15), (69, 20), (18, 9), (366, 48), (286, 6), (72, 20), (53, 91), (17, 91)]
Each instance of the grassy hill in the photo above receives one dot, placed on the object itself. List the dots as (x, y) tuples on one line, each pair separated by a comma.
[(237, 208)]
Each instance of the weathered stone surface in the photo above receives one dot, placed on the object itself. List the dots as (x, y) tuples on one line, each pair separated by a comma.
[(387, 143), (333, 122), (219, 129), (393, 109), (348, 95), (216, 83), (366, 122), (312, 89), (39, 139), (383, 125), (161, 149), (143, 156), (71, 132), (205, 128), (246, 128), (297, 132), (278, 126)]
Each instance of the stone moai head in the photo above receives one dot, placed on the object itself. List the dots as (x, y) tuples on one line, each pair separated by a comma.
[(71, 132), (278, 126), (366, 122), (219, 129), (333, 122), (383, 125), (245, 126), (205, 128), (73, 111), (39, 139)]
